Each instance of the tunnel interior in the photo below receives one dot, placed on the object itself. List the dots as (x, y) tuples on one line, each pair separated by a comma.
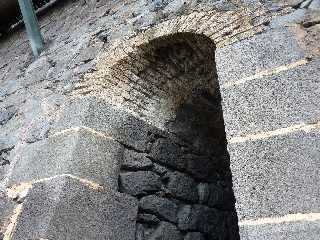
[(183, 180)]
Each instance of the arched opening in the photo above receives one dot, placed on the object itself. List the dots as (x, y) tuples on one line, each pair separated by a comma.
[(183, 181)]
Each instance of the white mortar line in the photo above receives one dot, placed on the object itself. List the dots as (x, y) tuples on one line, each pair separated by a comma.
[(78, 129), (264, 73), (24, 187), (281, 131), (297, 217), (13, 222)]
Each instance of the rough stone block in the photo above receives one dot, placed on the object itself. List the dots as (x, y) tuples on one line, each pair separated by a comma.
[(194, 236), (203, 192), (273, 102), (159, 169), (314, 5), (135, 161), (166, 231), (182, 186), (249, 56), (7, 206), (99, 115), (200, 167), (148, 219), (139, 183), (282, 231), (64, 208), (276, 176), (201, 218), (186, 219), (80, 153), (168, 153), (160, 206), (5, 116)]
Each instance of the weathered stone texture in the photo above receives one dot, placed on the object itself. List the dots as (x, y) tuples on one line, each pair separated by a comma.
[(199, 210), (273, 102), (255, 54), (139, 183), (63, 208), (160, 206), (149, 60), (80, 153), (289, 162), (286, 231)]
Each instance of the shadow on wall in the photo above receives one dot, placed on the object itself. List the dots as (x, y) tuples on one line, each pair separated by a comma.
[(183, 180)]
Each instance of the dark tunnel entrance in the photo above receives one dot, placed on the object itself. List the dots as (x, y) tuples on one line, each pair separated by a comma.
[(183, 181)]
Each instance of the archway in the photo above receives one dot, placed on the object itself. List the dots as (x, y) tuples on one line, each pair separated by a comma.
[(183, 181)]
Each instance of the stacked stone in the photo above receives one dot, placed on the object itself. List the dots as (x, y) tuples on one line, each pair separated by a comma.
[(182, 194)]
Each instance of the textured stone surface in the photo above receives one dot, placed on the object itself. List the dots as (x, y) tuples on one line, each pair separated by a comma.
[(182, 186), (186, 219), (203, 192), (167, 153), (261, 168), (202, 167), (73, 44), (162, 207), (258, 53), (96, 113), (159, 169), (7, 206), (314, 5), (285, 231), (80, 153), (166, 231), (135, 161), (194, 236), (148, 219), (273, 102), (139, 183), (201, 218), (63, 208), (5, 116)]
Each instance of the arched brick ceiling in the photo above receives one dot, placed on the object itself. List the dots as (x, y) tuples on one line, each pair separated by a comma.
[(152, 74)]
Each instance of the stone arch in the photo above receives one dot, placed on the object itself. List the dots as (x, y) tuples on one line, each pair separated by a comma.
[(119, 69), (167, 77), (171, 83)]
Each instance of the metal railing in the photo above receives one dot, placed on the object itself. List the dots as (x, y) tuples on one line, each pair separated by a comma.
[(32, 26), (16, 12)]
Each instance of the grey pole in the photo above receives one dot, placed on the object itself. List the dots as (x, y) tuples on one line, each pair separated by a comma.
[(32, 26)]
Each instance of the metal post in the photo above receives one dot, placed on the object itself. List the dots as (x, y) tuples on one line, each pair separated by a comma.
[(32, 26)]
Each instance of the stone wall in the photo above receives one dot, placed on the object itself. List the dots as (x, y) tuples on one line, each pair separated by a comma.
[(184, 189), (61, 109)]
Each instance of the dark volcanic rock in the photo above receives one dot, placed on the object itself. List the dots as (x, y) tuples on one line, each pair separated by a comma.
[(203, 192), (5, 116), (194, 236), (135, 161), (200, 218), (148, 218), (139, 183), (199, 166), (182, 186), (166, 231), (186, 219), (159, 169), (168, 153), (220, 197), (160, 206)]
